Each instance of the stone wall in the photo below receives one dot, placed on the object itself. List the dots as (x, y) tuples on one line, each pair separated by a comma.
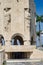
[(1, 56)]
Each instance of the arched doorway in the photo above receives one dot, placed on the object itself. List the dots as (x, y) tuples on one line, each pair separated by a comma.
[(17, 40), (2, 42)]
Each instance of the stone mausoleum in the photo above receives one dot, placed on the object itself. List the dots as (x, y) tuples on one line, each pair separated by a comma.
[(17, 28)]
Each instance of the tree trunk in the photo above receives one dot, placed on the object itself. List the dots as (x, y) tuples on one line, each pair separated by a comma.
[(39, 34)]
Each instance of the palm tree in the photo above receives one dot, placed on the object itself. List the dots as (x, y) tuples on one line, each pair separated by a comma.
[(39, 19), (37, 33)]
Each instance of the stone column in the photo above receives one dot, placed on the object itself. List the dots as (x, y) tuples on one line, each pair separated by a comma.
[(1, 55)]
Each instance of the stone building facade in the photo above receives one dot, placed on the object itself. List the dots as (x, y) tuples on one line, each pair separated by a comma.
[(17, 28)]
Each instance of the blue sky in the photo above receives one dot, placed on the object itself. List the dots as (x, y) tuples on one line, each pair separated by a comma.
[(39, 6), (39, 10)]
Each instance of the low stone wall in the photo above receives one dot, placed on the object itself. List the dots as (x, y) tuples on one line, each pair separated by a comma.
[(27, 63)]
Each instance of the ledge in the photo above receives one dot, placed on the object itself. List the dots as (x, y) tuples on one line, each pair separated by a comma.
[(16, 48), (23, 60), (1, 50)]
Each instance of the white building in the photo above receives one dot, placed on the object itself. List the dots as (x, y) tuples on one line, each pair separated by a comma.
[(17, 28)]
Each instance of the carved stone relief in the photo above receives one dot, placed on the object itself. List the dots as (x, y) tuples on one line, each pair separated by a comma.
[(26, 11), (7, 18), (26, 16), (7, 21)]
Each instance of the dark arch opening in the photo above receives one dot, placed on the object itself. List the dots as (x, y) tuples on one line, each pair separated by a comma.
[(2, 42), (17, 40)]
